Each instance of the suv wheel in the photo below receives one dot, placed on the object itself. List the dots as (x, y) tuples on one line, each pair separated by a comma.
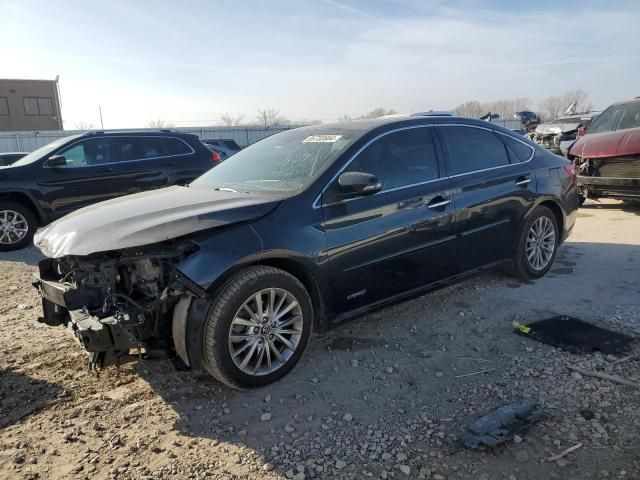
[(17, 226), (537, 245), (257, 327)]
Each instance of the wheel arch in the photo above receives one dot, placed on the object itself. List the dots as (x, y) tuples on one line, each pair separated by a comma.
[(26, 200), (294, 264), (557, 211)]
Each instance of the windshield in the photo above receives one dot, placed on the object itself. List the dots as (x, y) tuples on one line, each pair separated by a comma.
[(285, 162), (617, 117), (42, 151)]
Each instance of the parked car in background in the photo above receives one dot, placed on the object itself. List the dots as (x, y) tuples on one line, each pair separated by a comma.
[(551, 135), (528, 120), (221, 152), (225, 143), (607, 156), (80, 170), (8, 158), (298, 232)]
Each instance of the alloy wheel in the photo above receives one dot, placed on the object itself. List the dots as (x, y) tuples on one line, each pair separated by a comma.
[(265, 331), (541, 243), (13, 227)]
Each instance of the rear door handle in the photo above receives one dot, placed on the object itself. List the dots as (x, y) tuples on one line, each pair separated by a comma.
[(523, 181), (438, 202)]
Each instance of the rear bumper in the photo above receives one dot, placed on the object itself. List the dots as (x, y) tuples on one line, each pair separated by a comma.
[(611, 187)]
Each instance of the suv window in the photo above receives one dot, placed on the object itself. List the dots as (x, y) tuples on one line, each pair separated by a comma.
[(471, 149), (399, 159), (95, 151), (139, 148), (518, 151), (176, 146)]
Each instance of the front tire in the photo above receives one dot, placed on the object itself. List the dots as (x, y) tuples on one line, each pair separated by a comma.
[(18, 224), (257, 327), (537, 245)]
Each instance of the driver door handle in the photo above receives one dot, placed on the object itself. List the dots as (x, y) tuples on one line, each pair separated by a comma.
[(438, 203), (522, 181)]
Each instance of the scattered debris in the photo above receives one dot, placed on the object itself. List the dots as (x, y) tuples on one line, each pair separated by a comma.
[(564, 453), (575, 335), (501, 424), (604, 376), (475, 373)]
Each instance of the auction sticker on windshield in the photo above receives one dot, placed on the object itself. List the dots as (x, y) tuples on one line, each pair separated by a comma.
[(321, 138)]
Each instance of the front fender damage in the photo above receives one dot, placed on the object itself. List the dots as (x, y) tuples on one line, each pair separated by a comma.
[(147, 301)]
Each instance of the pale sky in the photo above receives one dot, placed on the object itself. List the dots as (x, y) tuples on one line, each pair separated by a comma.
[(188, 62)]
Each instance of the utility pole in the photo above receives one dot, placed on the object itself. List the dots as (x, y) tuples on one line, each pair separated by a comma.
[(101, 122)]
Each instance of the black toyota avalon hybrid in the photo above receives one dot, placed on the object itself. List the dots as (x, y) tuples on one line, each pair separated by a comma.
[(233, 272)]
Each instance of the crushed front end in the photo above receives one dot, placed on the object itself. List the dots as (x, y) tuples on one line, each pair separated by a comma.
[(116, 303), (613, 177)]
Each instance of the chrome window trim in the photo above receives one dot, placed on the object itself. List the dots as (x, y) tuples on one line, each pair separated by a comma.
[(83, 139), (316, 205)]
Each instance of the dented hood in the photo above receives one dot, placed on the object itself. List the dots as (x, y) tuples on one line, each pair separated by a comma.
[(618, 143), (556, 128), (147, 218)]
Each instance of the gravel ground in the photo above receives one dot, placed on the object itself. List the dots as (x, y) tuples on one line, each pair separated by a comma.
[(383, 396)]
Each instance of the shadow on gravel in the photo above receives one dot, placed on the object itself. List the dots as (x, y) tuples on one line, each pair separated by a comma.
[(421, 362), (21, 396), (630, 207), (30, 256)]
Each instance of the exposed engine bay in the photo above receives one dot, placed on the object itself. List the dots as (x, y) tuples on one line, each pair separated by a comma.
[(615, 177), (116, 303)]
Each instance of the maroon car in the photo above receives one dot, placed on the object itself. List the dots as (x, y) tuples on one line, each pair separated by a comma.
[(607, 155)]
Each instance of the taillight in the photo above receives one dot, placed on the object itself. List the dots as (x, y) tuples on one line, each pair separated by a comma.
[(215, 157), (570, 168)]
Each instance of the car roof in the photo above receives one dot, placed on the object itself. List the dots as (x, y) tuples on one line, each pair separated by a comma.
[(138, 131), (371, 124), (625, 102)]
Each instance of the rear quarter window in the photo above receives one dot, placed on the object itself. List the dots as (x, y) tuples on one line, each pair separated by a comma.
[(471, 149), (176, 146), (518, 151)]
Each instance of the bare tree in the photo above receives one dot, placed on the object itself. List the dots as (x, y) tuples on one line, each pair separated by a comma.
[(345, 118), (231, 119), (84, 125), (471, 109), (506, 108), (573, 101), (378, 112), (159, 123), (270, 117)]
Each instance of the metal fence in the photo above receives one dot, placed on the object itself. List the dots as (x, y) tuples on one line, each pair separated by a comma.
[(30, 141)]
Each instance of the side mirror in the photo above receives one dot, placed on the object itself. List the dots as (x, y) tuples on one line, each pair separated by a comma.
[(57, 161), (581, 131), (356, 184)]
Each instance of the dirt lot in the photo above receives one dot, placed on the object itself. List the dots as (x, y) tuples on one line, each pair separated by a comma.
[(379, 397)]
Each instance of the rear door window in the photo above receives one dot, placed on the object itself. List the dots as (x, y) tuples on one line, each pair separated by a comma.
[(471, 149), (140, 148)]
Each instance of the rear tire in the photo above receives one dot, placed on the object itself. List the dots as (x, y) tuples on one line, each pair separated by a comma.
[(248, 344), (537, 245), (18, 224)]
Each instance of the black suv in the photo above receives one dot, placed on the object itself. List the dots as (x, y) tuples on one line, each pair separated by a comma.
[(79, 170)]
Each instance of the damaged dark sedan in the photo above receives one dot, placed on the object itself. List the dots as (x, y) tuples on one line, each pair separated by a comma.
[(300, 231)]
